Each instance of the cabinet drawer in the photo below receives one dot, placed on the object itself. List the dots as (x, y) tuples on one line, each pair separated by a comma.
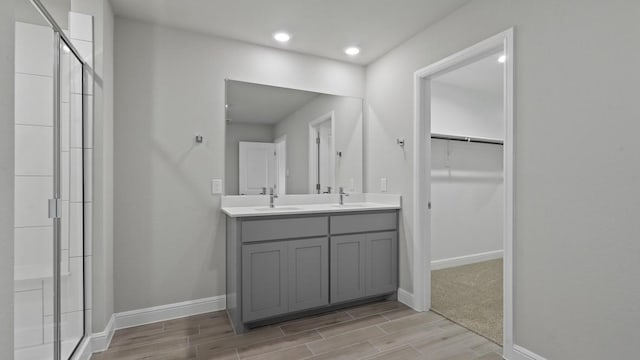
[(274, 229), (345, 224)]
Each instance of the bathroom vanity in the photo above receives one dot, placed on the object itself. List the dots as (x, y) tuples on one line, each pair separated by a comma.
[(323, 244), (293, 260)]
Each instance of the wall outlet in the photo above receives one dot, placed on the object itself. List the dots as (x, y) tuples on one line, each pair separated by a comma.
[(383, 184), (216, 186)]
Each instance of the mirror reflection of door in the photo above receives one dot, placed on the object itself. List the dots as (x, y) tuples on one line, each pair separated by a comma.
[(321, 149), (281, 165), (257, 167)]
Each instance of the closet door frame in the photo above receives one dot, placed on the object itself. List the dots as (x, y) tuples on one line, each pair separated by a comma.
[(421, 298)]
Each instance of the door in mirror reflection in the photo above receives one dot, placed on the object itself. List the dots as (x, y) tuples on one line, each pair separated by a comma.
[(257, 167), (321, 161)]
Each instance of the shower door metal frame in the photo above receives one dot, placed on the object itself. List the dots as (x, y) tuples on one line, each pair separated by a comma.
[(55, 204), (57, 199)]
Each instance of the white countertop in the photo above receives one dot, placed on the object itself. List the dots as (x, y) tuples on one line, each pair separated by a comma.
[(242, 206)]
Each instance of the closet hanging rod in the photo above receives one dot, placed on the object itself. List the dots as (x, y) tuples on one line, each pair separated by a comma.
[(467, 139)]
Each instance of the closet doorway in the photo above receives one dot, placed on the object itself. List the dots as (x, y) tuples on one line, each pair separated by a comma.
[(467, 195), (463, 186)]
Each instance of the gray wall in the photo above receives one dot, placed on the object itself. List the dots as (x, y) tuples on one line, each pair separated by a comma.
[(577, 171), (169, 85), (467, 190), (6, 178), (236, 133)]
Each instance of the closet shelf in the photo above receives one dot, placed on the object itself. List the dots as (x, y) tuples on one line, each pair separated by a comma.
[(467, 139)]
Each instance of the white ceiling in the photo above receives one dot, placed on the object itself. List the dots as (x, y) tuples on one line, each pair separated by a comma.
[(319, 27), (261, 104), (484, 75)]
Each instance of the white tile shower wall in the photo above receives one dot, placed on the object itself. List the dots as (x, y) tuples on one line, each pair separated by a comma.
[(31, 194), (65, 126), (87, 108), (70, 327), (65, 74), (81, 33), (65, 227), (81, 26), (34, 251), (75, 107), (75, 176), (33, 145), (34, 49), (76, 232), (33, 99), (28, 314)]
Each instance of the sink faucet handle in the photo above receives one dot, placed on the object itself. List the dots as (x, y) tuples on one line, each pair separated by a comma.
[(342, 191), (264, 191), (271, 192)]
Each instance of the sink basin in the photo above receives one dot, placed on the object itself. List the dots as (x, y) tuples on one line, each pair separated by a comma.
[(348, 206), (277, 208)]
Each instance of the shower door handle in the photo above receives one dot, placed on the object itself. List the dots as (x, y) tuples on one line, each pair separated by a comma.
[(55, 208)]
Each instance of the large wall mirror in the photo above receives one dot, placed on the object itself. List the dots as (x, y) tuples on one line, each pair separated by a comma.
[(292, 141)]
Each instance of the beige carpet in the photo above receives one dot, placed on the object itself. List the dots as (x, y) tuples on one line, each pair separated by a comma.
[(471, 295)]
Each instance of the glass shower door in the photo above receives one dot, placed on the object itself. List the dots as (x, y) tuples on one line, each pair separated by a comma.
[(71, 249), (35, 171), (49, 311)]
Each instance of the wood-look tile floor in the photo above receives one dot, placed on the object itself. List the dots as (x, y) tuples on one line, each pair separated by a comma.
[(382, 330)]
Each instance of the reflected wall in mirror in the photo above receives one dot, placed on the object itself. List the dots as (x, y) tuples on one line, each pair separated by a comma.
[(294, 141)]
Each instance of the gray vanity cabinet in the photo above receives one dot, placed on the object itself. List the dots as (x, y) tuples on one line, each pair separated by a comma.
[(381, 263), (347, 267), (284, 276), (363, 265), (285, 266), (308, 273), (264, 280)]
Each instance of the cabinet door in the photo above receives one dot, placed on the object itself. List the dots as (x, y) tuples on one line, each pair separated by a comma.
[(381, 274), (264, 280), (347, 267), (308, 273)]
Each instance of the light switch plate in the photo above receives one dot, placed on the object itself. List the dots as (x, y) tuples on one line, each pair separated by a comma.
[(383, 184), (216, 186)]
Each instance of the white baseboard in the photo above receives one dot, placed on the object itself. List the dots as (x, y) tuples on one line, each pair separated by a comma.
[(406, 298), (169, 311), (466, 260), (100, 341), (521, 353)]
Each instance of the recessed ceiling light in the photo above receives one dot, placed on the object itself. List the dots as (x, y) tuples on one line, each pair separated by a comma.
[(282, 36), (352, 50), (502, 59)]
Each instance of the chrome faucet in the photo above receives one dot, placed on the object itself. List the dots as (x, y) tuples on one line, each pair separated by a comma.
[(271, 197), (342, 195)]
